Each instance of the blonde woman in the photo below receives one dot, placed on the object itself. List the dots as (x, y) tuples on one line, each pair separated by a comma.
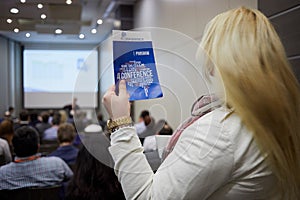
[(248, 148)]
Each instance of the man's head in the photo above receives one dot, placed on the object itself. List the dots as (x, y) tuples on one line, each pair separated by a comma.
[(45, 117), (24, 115), (65, 133), (25, 141), (10, 109), (145, 116), (33, 116), (56, 119)]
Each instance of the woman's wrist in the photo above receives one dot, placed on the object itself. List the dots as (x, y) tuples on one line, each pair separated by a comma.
[(116, 124)]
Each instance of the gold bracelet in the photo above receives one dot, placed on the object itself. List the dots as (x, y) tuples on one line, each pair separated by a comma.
[(113, 125)]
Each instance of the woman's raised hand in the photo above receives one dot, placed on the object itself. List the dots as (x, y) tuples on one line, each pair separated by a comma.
[(117, 106)]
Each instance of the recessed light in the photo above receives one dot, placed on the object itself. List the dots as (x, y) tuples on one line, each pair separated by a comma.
[(94, 31), (27, 35), (68, 2), (14, 10), (43, 16), (58, 31), (23, 1), (40, 6), (16, 30), (99, 21), (81, 36), (9, 20)]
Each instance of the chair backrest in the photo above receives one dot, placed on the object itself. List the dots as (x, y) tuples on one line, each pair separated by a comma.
[(48, 193), (48, 147)]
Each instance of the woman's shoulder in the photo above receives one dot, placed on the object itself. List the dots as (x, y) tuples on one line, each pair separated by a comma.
[(222, 117), (224, 123)]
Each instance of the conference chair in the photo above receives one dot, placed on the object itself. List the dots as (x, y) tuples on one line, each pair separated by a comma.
[(48, 193)]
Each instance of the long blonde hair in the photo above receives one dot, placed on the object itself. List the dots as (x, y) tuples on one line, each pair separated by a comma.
[(260, 87)]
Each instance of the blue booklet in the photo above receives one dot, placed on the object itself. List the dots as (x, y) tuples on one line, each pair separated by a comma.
[(134, 62)]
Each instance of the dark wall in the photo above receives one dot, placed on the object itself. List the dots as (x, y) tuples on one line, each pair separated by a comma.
[(285, 16)]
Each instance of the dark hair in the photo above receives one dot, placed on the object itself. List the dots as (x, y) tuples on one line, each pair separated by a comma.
[(166, 130), (100, 117), (51, 113), (25, 141), (93, 180), (33, 116), (24, 115), (10, 108), (65, 133), (45, 117), (144, 113), (56, 119)]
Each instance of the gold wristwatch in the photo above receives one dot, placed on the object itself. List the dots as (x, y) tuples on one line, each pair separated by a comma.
[(113, 125)]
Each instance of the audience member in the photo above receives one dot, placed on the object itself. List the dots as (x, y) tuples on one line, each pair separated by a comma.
[(247, 147), (51, 114), (11, 111), (66, 150), (72, 108), (146, 125), (23, 119), (93, 180), (44, 125), (7, 133), (5, 155), (33, 116), (81, 121), (51, 133), (28, 168), (101, 122), (9, 114), (63, 116)]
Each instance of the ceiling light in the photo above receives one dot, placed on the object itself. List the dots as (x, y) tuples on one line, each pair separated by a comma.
[(81, 36), (58, 31), (94, 31), (14, 10), (68, 2), (9, 21), (16, 30), (23, 1), (99, 21), (43, 16), (40, 6), (27, 35)]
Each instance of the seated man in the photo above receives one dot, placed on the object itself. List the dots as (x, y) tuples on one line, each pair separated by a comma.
[(29, 169), (44, 125), (5, 156), (51, 133), (146, 125), (23, 119), (66, 150)]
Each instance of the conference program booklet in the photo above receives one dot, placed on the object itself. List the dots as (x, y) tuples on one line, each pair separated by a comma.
[(133, 60)]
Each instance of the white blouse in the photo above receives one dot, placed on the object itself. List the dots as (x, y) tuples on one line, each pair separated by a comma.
[(215, 158)]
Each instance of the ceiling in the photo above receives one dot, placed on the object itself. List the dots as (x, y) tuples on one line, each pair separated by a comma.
[(79, 17)]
